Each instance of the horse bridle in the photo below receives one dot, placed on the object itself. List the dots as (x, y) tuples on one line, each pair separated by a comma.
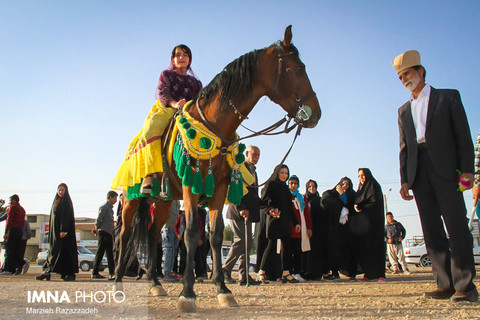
[(299, 115)]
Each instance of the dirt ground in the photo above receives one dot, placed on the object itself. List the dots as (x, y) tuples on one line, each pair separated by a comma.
[(398, 298)]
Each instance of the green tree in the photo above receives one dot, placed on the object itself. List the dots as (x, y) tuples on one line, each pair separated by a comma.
[(227, 234), (2, 208)]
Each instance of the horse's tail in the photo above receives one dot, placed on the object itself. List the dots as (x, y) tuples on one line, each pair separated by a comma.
[(139, 240)]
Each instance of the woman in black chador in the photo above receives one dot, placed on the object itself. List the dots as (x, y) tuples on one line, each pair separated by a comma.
[(317, 258), (277, 205), (62, 253), (338, 205), (369, 226)]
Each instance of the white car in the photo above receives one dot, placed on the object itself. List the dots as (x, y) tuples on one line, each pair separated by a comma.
[(86, 258), (418, 255)]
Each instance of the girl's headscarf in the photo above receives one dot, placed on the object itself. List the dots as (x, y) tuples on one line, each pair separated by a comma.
[(171, 66), (297, 193)]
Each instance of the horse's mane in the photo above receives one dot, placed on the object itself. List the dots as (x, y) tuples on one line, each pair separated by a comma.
[(236, 79)]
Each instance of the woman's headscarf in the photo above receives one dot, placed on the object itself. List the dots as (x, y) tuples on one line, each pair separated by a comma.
[(274, 178), (65, 201), (307, 193), (369, 183), (350, 192), (297, 193)]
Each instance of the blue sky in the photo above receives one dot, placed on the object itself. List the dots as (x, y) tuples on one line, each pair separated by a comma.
[(77, 79)]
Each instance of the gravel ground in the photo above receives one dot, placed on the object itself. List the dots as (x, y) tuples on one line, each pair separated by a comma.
[(398, 298)]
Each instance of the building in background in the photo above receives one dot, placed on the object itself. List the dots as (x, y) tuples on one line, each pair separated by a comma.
[(39, 223)]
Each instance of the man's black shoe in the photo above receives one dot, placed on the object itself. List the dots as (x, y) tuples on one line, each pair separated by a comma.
[(251, 282), (470, 296), (439, 293), (97, 276)]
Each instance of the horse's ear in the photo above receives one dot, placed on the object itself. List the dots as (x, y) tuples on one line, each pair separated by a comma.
[(287, 39)]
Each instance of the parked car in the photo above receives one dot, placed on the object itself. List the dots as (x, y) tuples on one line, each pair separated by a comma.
[(86, 258), (418, 255), (224, 251)]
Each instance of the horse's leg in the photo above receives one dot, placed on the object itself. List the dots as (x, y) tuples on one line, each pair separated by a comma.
[(186, 301), (128, 211), (224, 295), (161, 215)]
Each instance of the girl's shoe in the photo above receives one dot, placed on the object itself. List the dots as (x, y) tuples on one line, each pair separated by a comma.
[(289, 278), (262, 278), (147, 185), (42, 276)]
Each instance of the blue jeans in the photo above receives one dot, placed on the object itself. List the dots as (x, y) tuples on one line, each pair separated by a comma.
[(170, 245)]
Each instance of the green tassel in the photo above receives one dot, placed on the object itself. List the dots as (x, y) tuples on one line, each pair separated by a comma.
[(239, 158), (182, 165), (241, 147), (176, 151), (209, 183), (231, 189), (187, 176), (197, 187)]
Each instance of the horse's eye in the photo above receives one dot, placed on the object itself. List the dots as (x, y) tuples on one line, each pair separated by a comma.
[(301, 68)]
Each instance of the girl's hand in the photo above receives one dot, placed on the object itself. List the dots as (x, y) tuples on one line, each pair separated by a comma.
[(298, 228), (179, 104), (309, 233), (357, 208), (63, 234)]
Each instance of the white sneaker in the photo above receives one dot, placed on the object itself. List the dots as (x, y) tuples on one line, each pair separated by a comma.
[(298, 277), (25, 267)]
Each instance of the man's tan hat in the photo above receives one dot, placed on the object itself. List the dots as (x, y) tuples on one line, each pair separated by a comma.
[(406, 60)]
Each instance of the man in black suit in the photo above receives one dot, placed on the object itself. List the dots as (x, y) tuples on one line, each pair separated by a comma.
[(242, 216), (435, 142)]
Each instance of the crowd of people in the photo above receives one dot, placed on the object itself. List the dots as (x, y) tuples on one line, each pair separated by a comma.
[(299, 237)]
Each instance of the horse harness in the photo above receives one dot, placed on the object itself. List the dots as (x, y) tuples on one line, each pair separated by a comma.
[(299, 115)]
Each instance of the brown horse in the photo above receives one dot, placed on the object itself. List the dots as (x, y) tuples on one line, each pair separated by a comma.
[(276, 72)]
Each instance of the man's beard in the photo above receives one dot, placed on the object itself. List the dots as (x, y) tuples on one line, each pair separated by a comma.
[(413, 83)]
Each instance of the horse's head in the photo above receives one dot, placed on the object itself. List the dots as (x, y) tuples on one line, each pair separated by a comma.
[(288, 84)]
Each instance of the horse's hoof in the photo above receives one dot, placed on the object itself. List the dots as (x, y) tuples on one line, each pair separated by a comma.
[(186, 305), (158, 291), (117, 286), (226, 300)]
